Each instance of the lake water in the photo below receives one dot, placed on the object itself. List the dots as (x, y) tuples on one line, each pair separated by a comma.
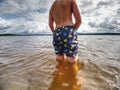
[(28, 63)]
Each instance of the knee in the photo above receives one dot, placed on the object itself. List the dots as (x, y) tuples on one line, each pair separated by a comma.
[(71, 60), (59, 58)]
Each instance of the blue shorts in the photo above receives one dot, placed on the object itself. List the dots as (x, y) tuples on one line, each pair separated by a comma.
[(65, 41)]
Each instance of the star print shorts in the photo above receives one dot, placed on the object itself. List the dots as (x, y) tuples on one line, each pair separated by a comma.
[(65, 41)]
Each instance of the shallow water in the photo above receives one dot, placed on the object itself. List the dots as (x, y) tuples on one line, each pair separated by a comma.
[(28, 63)]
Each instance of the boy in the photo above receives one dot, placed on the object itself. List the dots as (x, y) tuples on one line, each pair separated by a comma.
[(64, 33)]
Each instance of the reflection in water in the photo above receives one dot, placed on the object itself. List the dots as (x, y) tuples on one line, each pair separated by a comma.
[(27, 63), (66, 78)]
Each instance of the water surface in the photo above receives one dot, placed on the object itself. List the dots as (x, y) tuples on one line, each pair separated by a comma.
[(28, 63)]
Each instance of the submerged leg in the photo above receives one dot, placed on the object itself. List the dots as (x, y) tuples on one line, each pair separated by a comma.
[(60, 59), (72, 60)]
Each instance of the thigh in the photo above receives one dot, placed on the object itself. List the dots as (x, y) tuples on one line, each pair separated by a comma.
[(56, 43), (71, 45)]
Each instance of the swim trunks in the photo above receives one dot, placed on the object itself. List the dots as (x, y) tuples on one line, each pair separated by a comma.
[(65, 41)]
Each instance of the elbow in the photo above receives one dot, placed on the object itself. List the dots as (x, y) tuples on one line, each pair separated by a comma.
[(50, 24), (79, 22)]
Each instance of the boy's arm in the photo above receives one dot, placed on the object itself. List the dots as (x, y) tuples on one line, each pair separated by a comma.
[(51, 22), (76, 13)]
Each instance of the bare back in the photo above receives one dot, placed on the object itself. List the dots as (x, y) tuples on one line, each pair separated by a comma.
[(61, 12)]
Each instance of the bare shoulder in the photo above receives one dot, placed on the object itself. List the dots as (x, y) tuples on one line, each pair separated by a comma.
[(74, 3), (52, 6), (73, 0)]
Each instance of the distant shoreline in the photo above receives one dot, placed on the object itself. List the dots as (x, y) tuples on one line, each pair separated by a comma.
[(51, 34)]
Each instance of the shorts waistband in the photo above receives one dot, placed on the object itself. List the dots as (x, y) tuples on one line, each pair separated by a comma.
[(68, 26)]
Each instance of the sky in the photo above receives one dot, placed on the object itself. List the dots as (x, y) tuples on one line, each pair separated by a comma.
[(31, 16)]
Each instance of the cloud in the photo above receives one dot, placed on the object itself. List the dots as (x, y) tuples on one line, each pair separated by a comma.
[(22, 7), (101, 16), (31, 16), (6, 26)]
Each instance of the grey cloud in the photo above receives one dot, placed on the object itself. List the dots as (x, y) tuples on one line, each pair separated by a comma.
[(31, 16), (20, 6), (5, 27)]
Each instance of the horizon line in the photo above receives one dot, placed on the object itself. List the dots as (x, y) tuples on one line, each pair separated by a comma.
[(43, 34)]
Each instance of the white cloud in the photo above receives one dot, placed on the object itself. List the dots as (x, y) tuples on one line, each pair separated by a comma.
[(6, 26), (20, 6), (32, 16), (101, 15)]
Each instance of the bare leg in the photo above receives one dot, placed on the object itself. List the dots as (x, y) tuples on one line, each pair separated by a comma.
[(60, 59), (72, 60), (73, 64)]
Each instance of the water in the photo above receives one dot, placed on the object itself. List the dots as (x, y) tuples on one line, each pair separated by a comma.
[(28, 63)]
